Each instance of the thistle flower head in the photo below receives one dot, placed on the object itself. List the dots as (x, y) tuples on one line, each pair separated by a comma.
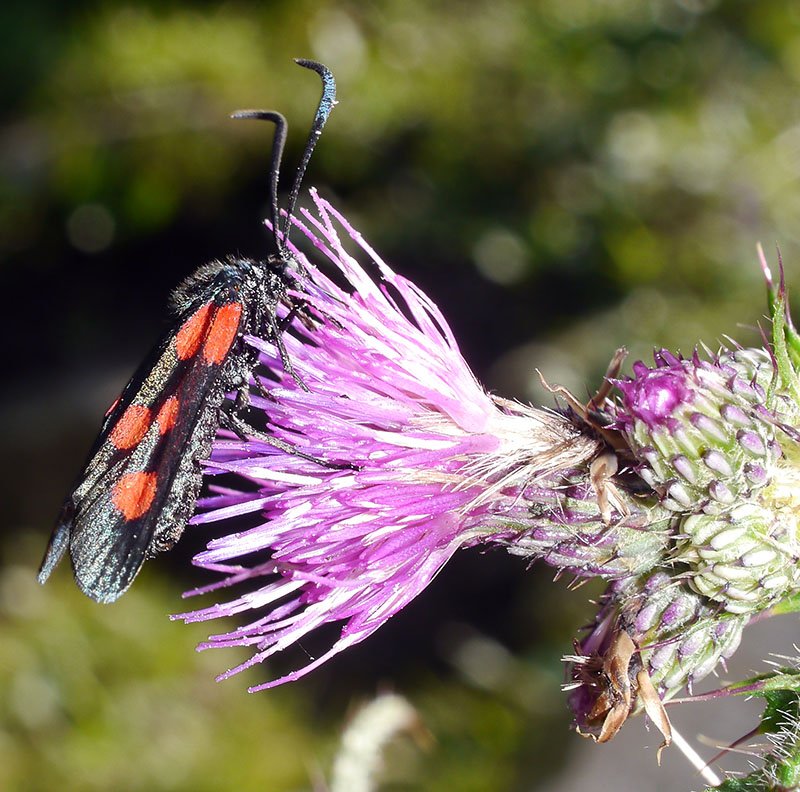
[(385, 456), (404, 459)]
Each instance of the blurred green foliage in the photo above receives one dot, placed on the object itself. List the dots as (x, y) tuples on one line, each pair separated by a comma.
[(555, 156), (97, 698), (563, 176)]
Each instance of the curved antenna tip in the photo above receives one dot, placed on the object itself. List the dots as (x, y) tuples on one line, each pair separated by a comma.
[(326, 104), (316, 66), (260, 115), (278, 142), (328, 100)]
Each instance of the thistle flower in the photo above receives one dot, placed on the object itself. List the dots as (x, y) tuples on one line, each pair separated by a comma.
[(386, 456), (678, 638), (419, 460)]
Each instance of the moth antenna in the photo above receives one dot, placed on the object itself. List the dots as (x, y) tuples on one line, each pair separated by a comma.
[(326, 104), (278, 143)]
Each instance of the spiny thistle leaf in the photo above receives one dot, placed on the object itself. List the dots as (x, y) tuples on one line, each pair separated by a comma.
[(780, 723)]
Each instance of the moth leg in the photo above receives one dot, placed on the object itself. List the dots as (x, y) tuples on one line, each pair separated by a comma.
[(230, 420), (277, 333), (301, 309), (241, 383), (261, 389), (294, 311)]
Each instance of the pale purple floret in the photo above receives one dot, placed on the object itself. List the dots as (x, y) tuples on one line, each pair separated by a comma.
[(653, 395), (437, 464)]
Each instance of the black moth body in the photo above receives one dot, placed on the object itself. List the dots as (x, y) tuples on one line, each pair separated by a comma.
[(140, 484)]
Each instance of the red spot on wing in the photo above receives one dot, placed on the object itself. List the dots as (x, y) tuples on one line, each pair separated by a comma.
[(133, 494), (168, 414), (189, 338), (222, 333), (131, 427)]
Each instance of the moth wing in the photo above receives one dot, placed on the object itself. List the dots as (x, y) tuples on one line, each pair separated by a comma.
[(140, 485)]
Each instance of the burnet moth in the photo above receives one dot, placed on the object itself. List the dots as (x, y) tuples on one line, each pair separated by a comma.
[(140, 484)]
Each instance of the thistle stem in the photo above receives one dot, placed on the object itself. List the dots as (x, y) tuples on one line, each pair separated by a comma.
[(694, 759)]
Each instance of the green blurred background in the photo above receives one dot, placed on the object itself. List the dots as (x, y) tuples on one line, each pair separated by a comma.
[(563, 177)]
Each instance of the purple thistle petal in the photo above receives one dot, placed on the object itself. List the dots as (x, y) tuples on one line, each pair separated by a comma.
[(439, 464)]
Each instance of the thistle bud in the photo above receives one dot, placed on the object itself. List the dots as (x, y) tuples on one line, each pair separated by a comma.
[(677, 637), (701, 430), (747, 557)]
